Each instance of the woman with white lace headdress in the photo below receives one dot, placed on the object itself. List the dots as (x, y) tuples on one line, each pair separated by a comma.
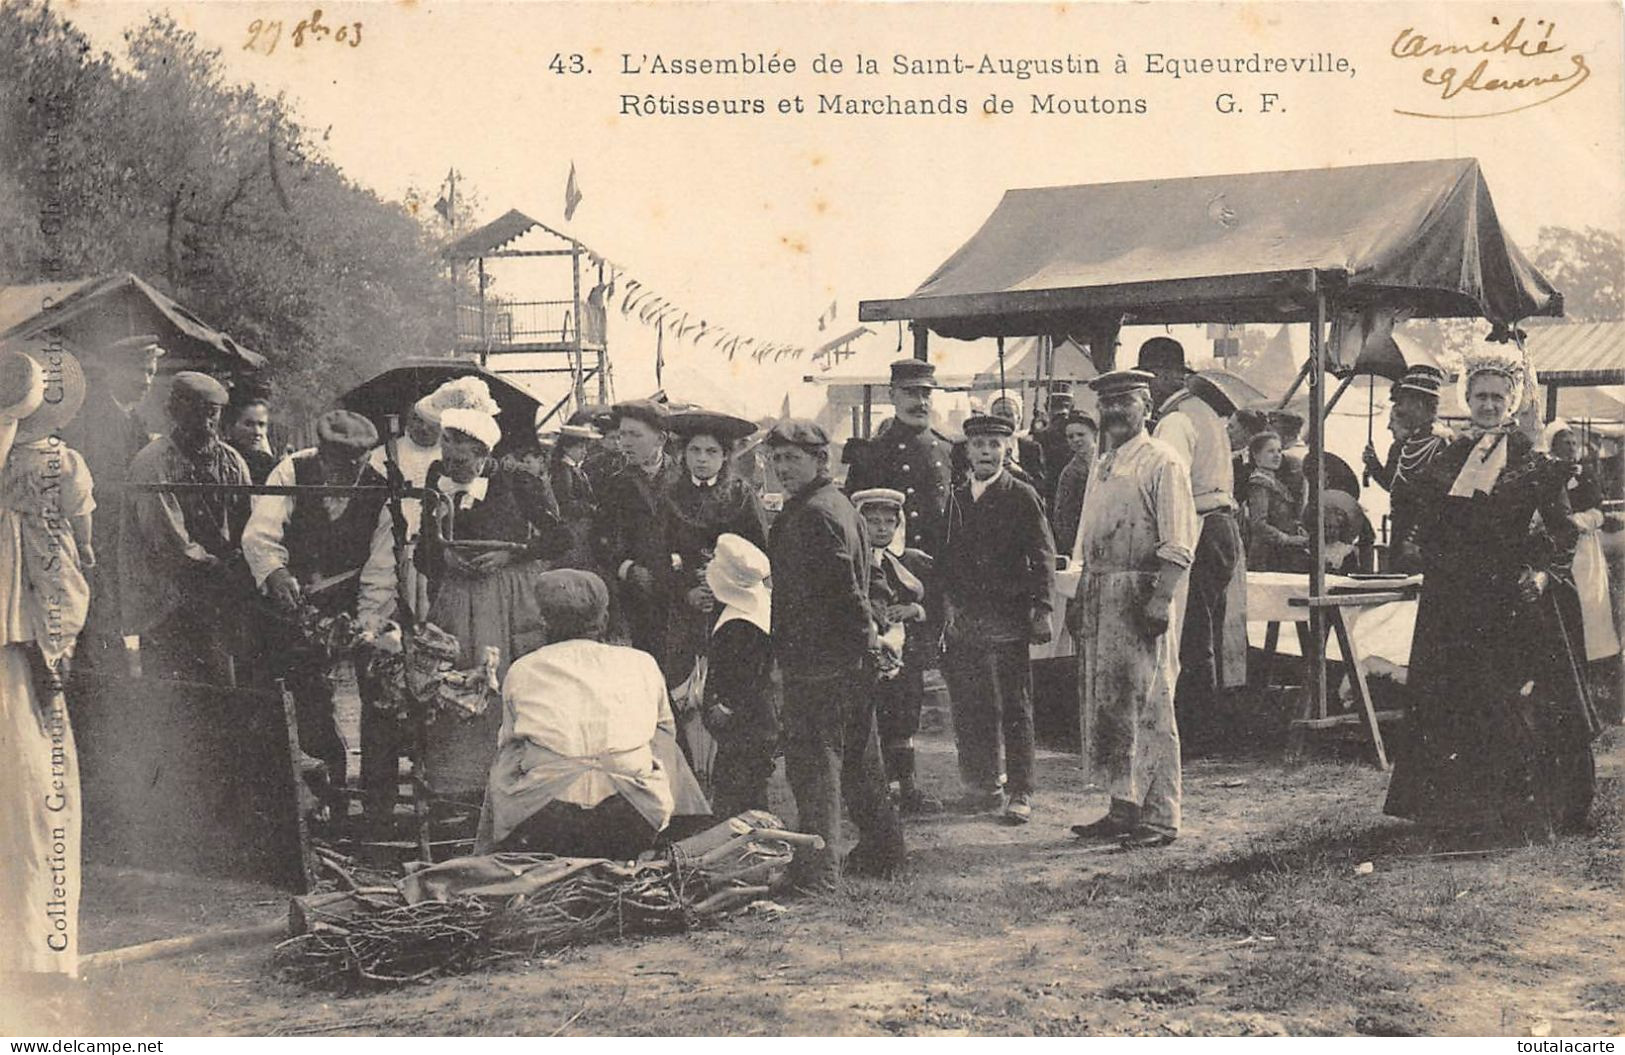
[(1590, 566), (1497, 740)]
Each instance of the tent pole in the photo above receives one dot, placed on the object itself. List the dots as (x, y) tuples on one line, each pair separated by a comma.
[(1316, 374), (1342, 386), (921, 335), (1296, 381), (1002, 391)]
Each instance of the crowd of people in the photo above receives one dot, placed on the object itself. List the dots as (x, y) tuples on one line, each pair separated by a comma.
[(649, 620)]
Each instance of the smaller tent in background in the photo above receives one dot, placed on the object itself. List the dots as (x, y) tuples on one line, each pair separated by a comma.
[(95, 312)]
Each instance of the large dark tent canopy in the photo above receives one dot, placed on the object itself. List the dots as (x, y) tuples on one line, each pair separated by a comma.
[(1253, 247)]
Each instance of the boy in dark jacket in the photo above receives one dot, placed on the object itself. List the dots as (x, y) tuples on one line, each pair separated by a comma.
[(896, 596), (998, 571)]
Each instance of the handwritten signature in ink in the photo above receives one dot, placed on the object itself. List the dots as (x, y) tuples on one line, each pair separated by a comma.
[(1522, 68)]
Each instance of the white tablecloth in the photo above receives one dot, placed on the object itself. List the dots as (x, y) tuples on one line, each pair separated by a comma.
[(1382, 634)]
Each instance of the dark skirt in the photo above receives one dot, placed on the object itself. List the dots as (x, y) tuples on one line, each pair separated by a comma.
[(1498, 733)]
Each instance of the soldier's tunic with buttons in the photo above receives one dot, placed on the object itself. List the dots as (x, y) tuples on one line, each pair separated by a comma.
[(916, 462)]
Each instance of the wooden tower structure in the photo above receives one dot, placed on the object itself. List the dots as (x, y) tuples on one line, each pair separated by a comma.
[(566, 334)]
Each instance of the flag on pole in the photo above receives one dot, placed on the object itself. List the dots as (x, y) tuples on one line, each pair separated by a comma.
[(572, 194)]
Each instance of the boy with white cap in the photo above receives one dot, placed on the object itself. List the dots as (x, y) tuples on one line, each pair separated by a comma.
[(896, 596)]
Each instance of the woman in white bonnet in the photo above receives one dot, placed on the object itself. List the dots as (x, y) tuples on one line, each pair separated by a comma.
[(1497, 740)]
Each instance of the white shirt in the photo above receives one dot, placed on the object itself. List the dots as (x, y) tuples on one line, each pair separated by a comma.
[(263, 546), (1198, 437), (977, 487), (580, 724), (464, 496)]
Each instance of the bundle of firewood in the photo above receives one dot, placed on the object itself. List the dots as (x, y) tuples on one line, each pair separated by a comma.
[(419, 929)]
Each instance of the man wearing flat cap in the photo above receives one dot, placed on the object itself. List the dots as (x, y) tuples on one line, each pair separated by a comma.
[(1136, 538), (108, 432), (822, 635), (627, 528), (309, 551), (1195, 423), (906, 454), (997, 569), (180, 572), (1413, 413)]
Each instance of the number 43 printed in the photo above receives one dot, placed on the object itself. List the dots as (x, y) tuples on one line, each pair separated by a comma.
[(264, 34)]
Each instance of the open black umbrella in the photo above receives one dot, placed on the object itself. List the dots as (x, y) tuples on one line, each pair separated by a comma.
[(396, 389)]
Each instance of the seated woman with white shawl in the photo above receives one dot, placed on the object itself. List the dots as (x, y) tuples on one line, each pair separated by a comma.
[(587, 761)]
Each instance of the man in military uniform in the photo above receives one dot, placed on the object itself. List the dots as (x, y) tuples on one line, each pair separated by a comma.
[(906, 454), (1052, 439), (109, 433), (1418, 439)]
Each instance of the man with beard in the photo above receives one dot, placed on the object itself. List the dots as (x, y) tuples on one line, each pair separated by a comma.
[(308, 552), (1136, 538), (180, 572), (822, 636), (906, 454), (1418, 439)]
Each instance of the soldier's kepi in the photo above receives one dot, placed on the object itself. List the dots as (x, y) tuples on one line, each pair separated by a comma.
[(906, 454)]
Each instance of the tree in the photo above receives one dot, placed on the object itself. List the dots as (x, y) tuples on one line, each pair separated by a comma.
[(1587, 267), (214, 192)]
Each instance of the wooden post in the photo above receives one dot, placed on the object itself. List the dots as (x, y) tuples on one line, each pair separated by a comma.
[(576, 384), (868, 411), (603, 346), (921, 337), (407, 620), (485, 336), (1317, 529), (1551, 402)]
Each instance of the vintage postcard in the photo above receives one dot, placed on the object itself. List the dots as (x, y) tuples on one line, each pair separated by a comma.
[(812, 518)]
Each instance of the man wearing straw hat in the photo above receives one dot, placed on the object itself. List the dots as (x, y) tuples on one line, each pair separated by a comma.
[(180, 573)]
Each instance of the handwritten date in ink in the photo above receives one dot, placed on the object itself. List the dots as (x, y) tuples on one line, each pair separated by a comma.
[(264, 34)]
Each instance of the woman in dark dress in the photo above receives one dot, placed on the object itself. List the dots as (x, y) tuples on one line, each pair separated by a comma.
[(573, 490), (497, 532), (1496, 743), (705, 501), (1275, 538)]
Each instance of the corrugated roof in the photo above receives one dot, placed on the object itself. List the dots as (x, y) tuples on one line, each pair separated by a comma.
[(1579, 353)]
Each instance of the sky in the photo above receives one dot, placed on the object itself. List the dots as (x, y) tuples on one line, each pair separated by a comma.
[(760, 223)]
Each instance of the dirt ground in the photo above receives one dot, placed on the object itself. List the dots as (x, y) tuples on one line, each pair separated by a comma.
[(1260, 920)]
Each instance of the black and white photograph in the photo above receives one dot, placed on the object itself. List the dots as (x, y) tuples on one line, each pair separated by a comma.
[(812, 518)]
